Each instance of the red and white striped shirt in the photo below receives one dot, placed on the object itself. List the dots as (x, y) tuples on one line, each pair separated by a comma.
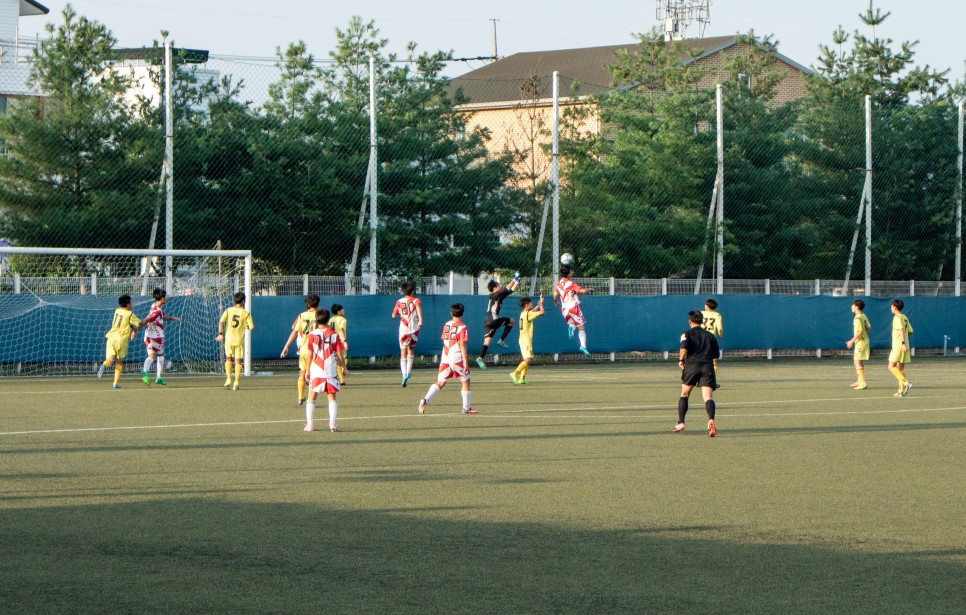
[(453, 333), (408, 316), (154, 324), (323, 344)]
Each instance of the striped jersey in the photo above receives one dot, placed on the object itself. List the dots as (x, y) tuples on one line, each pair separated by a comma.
[(408, 316), (454, 332), (323, 343)]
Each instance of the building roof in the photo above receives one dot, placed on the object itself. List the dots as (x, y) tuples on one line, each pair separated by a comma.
[(32, 7), (155, 55), (500, 81)]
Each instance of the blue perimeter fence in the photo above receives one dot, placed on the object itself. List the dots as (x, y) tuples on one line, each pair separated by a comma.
[(614, 324)]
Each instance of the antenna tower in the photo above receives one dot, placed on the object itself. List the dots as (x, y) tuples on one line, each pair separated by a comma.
[(677, 15)]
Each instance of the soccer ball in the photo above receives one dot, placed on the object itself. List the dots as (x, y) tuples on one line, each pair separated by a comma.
[(567, 259)]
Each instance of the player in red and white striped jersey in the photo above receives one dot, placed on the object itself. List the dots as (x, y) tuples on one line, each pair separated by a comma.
[(324, 347), (453, 362), (154, 336), (410, 312), (566, 295)]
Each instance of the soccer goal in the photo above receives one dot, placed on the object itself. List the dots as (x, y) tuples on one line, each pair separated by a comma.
[(56, 304)]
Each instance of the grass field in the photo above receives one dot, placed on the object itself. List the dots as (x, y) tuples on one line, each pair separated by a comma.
[(569, 495)]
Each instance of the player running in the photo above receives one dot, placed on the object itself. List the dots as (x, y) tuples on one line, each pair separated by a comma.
[(452, 362), (303, 325), (566, 296), (325, 347), (410, 312), (154, 336), (698, 349), (493, 320), (231, 328), (118, 337)]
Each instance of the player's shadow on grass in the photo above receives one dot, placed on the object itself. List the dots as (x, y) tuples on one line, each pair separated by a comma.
[(738, 431), (209, 556)]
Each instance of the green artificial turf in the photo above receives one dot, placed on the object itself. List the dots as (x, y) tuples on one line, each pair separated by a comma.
[(569, 495)]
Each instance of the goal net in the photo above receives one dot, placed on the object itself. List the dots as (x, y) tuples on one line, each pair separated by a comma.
[(56, 304)]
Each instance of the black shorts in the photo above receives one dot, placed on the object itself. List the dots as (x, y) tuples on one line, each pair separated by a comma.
[(698, 374), (490, 326)]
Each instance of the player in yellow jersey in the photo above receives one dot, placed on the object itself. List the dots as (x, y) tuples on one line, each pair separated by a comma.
[(339, 324), (231, 328), (117, 338), (712, 324), (901, 354), (860, 340), (303, 325), (527, 316)]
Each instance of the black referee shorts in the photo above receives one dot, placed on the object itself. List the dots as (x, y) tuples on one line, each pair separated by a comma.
[(698, 374), (490, 327)]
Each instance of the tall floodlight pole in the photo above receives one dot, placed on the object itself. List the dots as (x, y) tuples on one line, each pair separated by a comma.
[(555, 176), (868, 204), (959, 203), (374, 186), (169, 168), (719, 264)]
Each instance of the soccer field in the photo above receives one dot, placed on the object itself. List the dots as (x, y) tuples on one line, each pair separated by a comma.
[(569, 495)]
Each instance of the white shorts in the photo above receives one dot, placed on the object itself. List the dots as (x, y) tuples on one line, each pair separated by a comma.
[(453, 370)]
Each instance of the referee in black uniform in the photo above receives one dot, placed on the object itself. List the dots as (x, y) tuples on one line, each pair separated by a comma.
[(699, 349)]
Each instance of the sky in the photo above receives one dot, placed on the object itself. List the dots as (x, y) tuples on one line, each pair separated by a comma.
[(257, 27)]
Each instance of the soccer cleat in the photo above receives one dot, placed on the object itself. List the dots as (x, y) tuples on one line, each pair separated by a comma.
[(860, 387), (422, 406), (115, 386), (309, 427), (235, 388), (228, 384), (513, 377), (584, 350), (712, 432), (479, 361), (570, 331), (502, 344), (100, 371), (333, 427), (161, 381), (907, 388), (301, 401), (522, 381), (898, 393), (405, 381), (678, 428), (145, 379), (469, 411)]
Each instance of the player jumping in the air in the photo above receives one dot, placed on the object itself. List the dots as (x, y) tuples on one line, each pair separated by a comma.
[(231, 328), (325, 347), (154, 336), (860, 340), (565, 295), (493, 320), (303, 325), (452, 363), (698, 350), (118, 337), (410, 312), (527, 316)]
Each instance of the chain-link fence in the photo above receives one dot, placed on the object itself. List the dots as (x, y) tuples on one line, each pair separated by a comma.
[(460, 178)]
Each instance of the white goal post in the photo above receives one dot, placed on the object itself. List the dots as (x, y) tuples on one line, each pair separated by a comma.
[(56, 304)]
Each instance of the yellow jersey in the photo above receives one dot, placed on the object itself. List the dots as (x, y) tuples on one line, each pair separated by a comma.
[(526, 326), (236, 320), (339, 324), (861, 327), (901, 324), (124, 320), (304, 324), (712, 323)]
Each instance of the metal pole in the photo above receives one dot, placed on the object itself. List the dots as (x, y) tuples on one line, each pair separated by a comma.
[(959, 204), (868, 204), (169, 167), (720, 220), (554, 176), (248, 307), (373, 186)]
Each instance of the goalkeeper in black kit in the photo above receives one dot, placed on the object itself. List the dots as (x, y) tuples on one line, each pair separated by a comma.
[(699, 349), (493, 320)]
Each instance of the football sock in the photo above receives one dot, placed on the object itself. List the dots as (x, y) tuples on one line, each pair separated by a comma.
[(709, 408), (682, 408), (338, 370), (160, 366), (897, 374), (333, 411), (409, 364), (716, 371), (147, 365), (309, 411), (228, 369), (433, 390), (117, 372), (466, 399), (860, 372), (106, 364), (402, 365), (582, 336), (521, 368), (238, 371), (483, 350), (523, 372), (301, 388), (506, 332)]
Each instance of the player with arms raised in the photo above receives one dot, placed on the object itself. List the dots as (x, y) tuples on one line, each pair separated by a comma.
[(452, 362), (410, 312), (493, 320), (566, 295), (231, 328), (325, 348), (154, 336), (303, 325)]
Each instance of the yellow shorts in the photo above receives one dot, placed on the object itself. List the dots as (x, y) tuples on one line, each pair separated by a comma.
[(305, 358), (526, 349), (235, 352), (898, 356), (116, 348), (861, 351)]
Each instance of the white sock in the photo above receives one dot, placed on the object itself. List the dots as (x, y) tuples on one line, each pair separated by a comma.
[(160, 366), (582, 336), (309, 411), (433, 390), (409, 365), (402, 365), (466, 399), (147, 365), (333, 411)]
